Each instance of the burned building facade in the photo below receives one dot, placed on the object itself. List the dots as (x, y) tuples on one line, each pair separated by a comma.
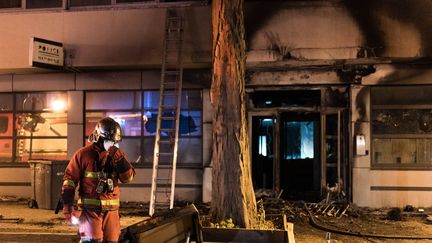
[(338, 94)]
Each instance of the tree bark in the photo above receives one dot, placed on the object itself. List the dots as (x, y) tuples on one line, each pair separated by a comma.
[(232, 190)]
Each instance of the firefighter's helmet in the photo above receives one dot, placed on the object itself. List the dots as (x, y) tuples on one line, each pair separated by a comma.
[(107, 128)]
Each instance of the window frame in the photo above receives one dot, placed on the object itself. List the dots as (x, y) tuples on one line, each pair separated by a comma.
[(15, 136), (66, 5), (142, 138), (395, 166)]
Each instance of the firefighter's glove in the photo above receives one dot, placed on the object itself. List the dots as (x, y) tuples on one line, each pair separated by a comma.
[(116, 154)]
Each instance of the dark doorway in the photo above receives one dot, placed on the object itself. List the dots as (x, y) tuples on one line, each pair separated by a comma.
[(262, 152), (300, 142), (300, 165)]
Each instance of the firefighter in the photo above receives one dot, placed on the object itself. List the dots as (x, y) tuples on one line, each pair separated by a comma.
[(97, 168)]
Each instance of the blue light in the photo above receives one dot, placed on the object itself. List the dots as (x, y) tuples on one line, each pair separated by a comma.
[(267, 122), (300, 140), (262, 146)]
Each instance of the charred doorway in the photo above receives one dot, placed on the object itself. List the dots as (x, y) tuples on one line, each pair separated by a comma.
[(300, 156), (299, 142), (262, 152)]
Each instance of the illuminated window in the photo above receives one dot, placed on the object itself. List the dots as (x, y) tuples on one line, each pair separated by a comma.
[(301, 144), (40, 130), (136, 112)]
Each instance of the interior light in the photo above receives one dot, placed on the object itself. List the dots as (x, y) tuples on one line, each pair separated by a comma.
[(262, 147), (58, 105)]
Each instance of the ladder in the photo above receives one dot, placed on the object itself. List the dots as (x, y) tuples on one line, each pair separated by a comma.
[(168, 119)]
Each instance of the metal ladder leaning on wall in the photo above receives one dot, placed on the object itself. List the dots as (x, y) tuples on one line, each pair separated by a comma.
[(168, 120)]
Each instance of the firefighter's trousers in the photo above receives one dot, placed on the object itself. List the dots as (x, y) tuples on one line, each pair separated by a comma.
[(99, 226)]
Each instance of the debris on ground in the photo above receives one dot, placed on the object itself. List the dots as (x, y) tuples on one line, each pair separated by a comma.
[(408, 208), (10, 220), (264, 193), (11, 199), (394, 214), (335, 193)]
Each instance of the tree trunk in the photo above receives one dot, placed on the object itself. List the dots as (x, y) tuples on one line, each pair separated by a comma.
[(232, 190)]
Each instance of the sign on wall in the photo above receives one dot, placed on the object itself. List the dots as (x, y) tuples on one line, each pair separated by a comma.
[(46, 53)]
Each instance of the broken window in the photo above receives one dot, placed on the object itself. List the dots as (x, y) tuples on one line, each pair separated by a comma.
[(401, 126)]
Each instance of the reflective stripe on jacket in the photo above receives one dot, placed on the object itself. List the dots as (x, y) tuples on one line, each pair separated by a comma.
[(82, 170), (105, 204)]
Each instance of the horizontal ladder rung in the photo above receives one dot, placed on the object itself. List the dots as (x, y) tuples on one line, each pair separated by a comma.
[(165, 188), (174, 17), (164, 192), (170, 82), (175, 29), (166, 142), (165, 166), (165, 154), (167, 130), (169, 107), (172, 72), (163, 204), (168, 118), (164, 185), (170, 94)]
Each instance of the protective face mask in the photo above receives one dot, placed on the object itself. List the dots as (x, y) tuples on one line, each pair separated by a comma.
[(108, 144)]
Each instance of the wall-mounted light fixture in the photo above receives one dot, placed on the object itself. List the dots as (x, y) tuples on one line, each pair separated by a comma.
[(58, 105)]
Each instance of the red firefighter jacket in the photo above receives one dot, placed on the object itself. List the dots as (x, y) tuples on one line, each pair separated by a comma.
[(84, 170)]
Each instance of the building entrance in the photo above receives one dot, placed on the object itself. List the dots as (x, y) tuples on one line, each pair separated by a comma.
[(298, 150), (300, 156)]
